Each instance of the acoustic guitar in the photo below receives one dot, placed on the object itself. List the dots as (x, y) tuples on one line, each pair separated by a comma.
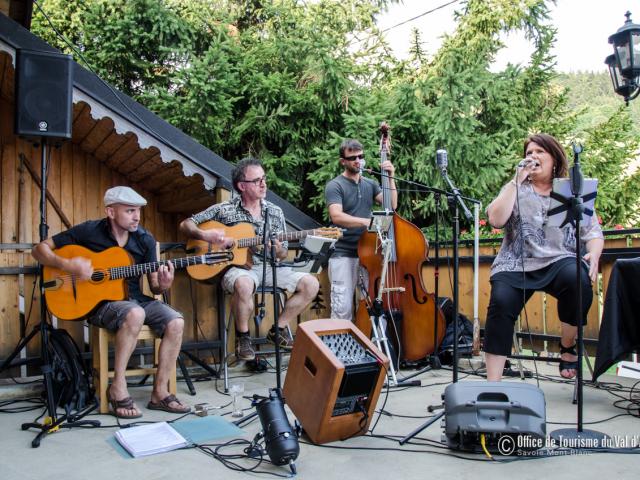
[(244, 237), (69, 298)]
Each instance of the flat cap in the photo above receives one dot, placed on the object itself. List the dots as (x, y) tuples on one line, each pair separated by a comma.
[(124, 195)]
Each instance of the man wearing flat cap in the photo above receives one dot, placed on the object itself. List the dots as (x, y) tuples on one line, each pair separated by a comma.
[(121, 228)]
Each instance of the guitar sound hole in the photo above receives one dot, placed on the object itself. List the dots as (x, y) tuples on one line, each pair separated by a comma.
[(97, 276)]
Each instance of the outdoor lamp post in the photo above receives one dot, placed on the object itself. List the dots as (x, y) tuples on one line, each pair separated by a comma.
[(624, 64)]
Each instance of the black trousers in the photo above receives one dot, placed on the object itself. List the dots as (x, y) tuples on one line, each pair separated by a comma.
[(506, 302)]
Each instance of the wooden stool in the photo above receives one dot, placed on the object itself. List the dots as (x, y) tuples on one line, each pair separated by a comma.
[(100, 340)]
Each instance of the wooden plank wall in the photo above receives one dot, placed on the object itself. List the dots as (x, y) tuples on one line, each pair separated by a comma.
[(77, 182)]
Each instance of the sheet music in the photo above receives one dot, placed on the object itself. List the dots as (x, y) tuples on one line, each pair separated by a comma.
[(562, 186), (150, 439)]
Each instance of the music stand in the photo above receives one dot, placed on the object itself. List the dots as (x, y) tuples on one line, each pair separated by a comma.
[(314, 254), (381, 221), (571, 210)]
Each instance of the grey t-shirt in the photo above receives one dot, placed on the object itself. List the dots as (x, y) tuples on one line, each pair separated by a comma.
[(357, 199), (542, 244)]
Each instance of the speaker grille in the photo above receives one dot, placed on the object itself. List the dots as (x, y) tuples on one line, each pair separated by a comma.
[(44, 94)]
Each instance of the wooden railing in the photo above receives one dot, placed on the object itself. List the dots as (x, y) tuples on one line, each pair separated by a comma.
[(198, 300), (541, 317)]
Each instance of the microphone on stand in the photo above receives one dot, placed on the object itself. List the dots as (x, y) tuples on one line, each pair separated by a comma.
[(361, 165), (441, 161)]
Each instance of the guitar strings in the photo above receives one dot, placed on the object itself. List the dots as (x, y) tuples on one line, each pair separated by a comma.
[(107, 271)]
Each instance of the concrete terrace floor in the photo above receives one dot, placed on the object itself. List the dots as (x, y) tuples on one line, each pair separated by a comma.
[(81, 453)]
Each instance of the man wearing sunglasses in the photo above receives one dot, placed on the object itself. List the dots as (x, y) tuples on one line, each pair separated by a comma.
[(251, 206), (350, 198)]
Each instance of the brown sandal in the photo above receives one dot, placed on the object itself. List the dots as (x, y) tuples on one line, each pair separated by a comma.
[(165, 405), (126, 404)]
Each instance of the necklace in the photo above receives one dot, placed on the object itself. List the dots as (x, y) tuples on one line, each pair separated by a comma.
[(544, 201)]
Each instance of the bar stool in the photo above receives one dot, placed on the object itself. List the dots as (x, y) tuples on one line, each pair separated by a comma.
[(225, 321)]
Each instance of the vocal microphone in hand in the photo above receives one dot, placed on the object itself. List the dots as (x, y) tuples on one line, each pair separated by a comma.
[(528, 161)]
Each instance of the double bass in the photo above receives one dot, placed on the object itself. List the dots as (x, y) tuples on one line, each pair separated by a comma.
[(406, 302)]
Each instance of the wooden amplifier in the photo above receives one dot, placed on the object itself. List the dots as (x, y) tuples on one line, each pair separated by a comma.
[(334, 379)]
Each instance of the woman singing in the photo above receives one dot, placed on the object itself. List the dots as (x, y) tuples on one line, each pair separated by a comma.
[(535, 256)]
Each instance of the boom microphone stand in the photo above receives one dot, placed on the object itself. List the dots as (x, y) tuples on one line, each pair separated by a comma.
[(458, 199), (455, 199)]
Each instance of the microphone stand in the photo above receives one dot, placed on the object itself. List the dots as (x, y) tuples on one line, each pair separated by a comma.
[(281, 444), (455, 201), (459, 198), (578, 438), (434, 358)]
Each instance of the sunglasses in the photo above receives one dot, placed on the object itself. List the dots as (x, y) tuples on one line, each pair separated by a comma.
[(351, 158)]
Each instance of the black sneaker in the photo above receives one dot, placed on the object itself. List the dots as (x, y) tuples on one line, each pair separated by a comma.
[(284, 339), (244, 350)]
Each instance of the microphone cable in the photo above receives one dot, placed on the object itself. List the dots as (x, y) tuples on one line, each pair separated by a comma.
[(524, 284)]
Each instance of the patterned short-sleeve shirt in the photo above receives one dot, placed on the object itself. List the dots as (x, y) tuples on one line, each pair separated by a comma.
[(538, 244), (233, 212)]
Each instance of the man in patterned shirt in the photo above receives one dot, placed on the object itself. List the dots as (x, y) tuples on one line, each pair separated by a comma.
[(249, 180)]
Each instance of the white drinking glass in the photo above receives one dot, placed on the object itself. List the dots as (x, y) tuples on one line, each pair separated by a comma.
[(236, 390)]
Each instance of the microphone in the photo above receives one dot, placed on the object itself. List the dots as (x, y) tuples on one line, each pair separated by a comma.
[(441, 160), (527, 161), (361, 165), (442, 163)]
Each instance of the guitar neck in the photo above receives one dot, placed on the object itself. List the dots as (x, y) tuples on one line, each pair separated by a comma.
[(288, 236), (136, 270)]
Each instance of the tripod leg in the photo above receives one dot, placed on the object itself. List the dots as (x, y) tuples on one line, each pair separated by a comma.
[(432, 420), (518, 352), (23, 343), (185, 374), (381, 341)]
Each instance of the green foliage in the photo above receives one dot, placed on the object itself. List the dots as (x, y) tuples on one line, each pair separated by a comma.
[(287, 80), (455, 102), (591, 95), (611, 148)]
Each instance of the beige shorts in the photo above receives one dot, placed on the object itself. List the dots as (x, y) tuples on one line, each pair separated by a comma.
[(286, 277)]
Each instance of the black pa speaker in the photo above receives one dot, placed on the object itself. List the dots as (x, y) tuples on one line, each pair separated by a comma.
[(505, 416), (44, 94)]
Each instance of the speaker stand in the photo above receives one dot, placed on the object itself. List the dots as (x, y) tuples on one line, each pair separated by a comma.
[(52, 422)]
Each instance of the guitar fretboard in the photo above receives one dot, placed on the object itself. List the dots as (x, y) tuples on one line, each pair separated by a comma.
[(252, 241), (128, 271)]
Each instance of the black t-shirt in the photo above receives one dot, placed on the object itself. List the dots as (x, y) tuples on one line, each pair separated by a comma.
[(96, 236), (357, 199)]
